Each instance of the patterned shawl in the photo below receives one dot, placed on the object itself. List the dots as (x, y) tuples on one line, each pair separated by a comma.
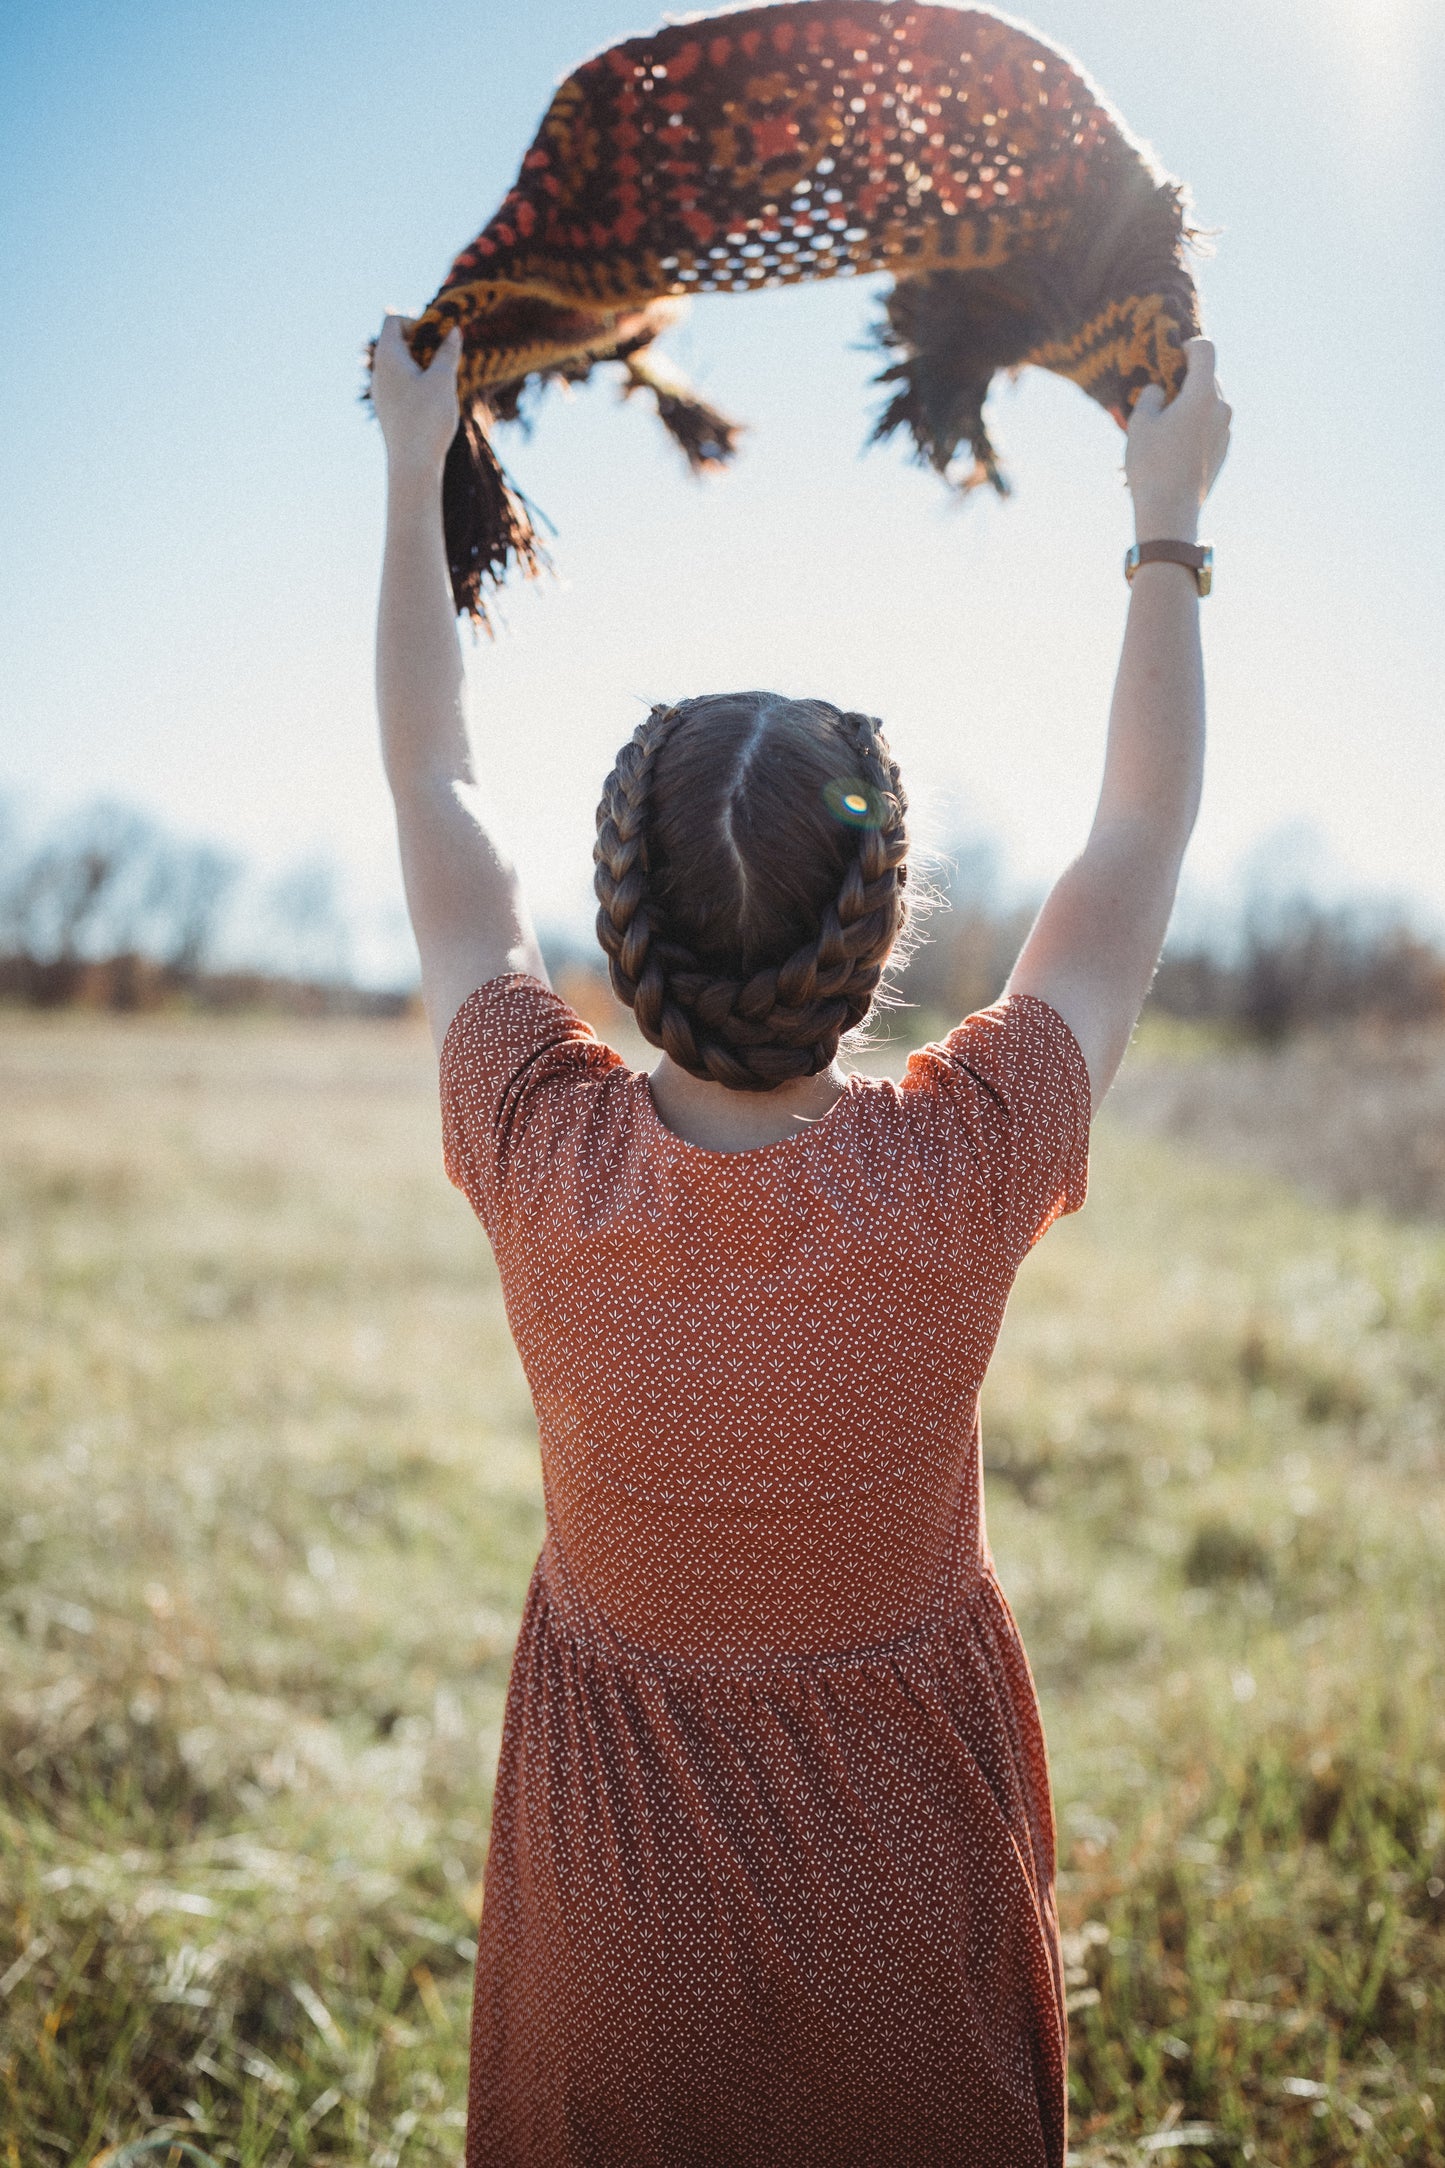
[(946, 146)]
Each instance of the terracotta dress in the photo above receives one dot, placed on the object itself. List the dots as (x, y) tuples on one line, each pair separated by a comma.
[(771, 1872)]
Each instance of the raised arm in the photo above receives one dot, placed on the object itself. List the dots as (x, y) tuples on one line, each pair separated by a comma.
[(466, 908), (1095, 945)]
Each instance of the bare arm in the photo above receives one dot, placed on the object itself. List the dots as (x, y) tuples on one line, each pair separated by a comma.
[(466, 907), (1095, 945)]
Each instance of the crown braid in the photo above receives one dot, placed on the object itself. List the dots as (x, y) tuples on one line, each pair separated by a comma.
[(783, 1021)]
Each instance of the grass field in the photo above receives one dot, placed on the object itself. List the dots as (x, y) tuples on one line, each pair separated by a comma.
[(270, 1501), (1353, 1118)]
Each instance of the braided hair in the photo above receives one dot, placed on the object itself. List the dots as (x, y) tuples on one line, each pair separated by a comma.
[(750, 872)]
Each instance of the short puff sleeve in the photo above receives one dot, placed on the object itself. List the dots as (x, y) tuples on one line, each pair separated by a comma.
[(1010, 1091), (513, 1064)]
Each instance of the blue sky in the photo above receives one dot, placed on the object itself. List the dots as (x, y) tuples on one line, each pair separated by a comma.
[(208, 208)]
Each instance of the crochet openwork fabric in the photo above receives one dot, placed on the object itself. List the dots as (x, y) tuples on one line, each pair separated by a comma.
[(1020, 221)]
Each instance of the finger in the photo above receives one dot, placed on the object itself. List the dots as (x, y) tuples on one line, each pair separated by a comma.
[(393, 336), (1151, 401), (397, 329), (1199, 366)]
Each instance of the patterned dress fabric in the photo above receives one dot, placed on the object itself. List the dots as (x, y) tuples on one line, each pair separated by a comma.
[(946, 146), (771, 1872)]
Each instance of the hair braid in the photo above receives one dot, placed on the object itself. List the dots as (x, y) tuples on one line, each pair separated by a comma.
[(757, 1029), (639, 955)]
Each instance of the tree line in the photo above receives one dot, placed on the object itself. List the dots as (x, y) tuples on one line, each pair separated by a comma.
[(1278, 960), (111, 910)]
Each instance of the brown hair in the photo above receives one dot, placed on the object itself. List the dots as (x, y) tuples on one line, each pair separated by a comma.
[(750, 870)]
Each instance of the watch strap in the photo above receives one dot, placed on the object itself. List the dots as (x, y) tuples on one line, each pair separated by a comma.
[(1196, 557)]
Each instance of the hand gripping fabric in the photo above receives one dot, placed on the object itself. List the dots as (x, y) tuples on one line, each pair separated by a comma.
[(1020, 221)]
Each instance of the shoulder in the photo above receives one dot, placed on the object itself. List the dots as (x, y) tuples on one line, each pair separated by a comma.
[(1004, 1104), (1019, 1053), (510, 1023), (518, 1070)]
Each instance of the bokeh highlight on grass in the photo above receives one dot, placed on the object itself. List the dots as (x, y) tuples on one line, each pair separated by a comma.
[(270, 1501)]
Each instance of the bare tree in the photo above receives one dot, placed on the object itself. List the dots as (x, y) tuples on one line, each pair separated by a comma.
[(106, 905), (190, 889), (1295, 963), (305, 919), (78, 898)]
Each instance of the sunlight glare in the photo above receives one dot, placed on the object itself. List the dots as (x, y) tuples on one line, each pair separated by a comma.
[(1373, 48), (1366, 25)]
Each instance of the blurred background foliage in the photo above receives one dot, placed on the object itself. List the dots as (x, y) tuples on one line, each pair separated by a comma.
[(108, 909)]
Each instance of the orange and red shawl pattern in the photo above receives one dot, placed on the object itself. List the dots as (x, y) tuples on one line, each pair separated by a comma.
[(950, 147)]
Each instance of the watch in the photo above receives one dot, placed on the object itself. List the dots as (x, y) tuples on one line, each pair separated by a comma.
[(1196, 557)]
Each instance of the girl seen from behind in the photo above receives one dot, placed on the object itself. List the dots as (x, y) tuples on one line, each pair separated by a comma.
[(771, 1872)]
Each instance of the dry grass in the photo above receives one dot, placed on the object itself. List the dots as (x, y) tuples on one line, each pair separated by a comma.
[(271, 1500), (1352, 1116)]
